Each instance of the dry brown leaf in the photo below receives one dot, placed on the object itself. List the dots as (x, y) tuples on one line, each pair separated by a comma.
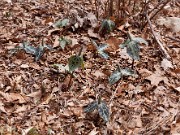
[(156, 78), (113, 44), (166, 64), (11, 97)]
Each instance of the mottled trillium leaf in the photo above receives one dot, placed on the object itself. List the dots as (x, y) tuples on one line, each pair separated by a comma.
[(61, 23), (107, 26), (140, 40), (64, 41), (39, 52), (75, 62), (28, 48), (101, 52), (91, 107), (124, 44), (100, 49), (103, 111), (127, 72), (133, 50), (115, 76)]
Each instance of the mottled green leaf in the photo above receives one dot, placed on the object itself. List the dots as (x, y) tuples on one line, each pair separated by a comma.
[(140, 40), (133, 50), (39, 52), (107, 26), (75, 62), (33, 131), (28, 48), (103, 111), (64, 41), (127, 72), (61, 23), (124, 44), (91, 107), (100, 49), (115, 76)]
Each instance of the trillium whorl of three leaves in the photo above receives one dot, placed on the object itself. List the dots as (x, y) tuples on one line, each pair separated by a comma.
[(100, 49), (118, 73), (102, 108), (75, 62), (132, 45)]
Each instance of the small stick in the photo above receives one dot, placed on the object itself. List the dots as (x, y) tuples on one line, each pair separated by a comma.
[(157, 40), (165, 3)]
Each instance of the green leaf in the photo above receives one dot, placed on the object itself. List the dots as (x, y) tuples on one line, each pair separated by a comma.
[(133, 50), (28, 48), (103, 111), (107, 26), (75, 62), (127, 72), (61, 23), (100, 49), (140, 40), (91, 107), (33, 131), (115, 76), (64, 41), (39, 52), (125, 44)]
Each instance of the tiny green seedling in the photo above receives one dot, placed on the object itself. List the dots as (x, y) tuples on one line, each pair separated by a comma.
[(101, 106)]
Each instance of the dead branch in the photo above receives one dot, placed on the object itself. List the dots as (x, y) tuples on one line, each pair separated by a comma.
[(163, 50)]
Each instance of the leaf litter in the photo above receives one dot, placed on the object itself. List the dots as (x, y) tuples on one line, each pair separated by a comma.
[(34, 99)]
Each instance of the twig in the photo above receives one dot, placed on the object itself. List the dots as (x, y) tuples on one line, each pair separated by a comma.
[(165, 3), (172, 38), (157, 40)]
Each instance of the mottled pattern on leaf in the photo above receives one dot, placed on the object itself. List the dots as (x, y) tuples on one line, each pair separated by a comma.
[(127, 72), (124, 44), (103, 111), (107, 26), (133, 50), (91, 107), (61, 23), (75, 62), (115, 76), (39, 52), (28, 48), (140, 40), (63, 42), (101, 49)]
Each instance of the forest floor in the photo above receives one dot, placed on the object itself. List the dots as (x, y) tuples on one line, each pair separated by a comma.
[(38, 97)]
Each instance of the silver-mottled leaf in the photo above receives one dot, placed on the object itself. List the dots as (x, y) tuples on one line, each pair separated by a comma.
[(28, 48), (107, 26), (64, 41), (39, 52), (140, 40), (133, 50), (115, 76), (75, 62), (124, 44), (91, 107), (127, 72), (61, 23), (103, 111)]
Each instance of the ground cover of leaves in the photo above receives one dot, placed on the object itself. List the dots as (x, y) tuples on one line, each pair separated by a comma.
[(35, 95)]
